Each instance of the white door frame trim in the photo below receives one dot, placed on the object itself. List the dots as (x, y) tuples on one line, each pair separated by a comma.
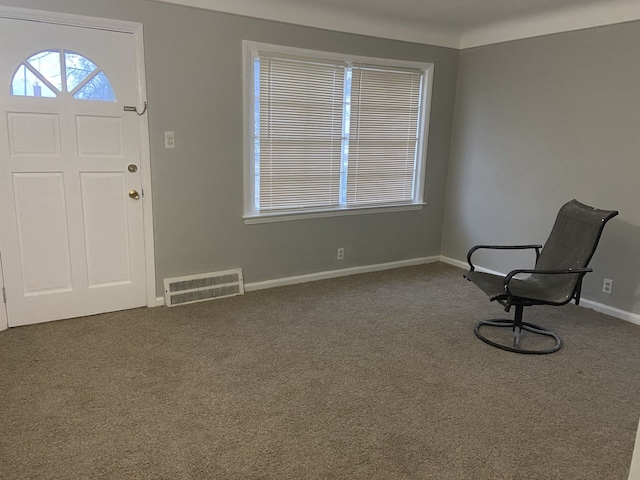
[(136, 30), (4, 322)]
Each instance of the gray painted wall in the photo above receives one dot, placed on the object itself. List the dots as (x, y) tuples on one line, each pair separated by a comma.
[(198, 187), (537, 123)]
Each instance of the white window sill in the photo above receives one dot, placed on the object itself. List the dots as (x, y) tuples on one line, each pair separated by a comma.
[(273, 217)]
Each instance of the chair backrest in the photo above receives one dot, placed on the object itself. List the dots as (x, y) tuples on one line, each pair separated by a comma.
[(571, 244), (574, 237)]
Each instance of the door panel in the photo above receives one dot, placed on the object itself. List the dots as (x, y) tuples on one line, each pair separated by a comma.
[(33, 134), (99, 136), (72, 239), (42, 232), (106, 230)]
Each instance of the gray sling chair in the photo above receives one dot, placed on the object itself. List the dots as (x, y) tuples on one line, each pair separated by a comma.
[(555, 280)]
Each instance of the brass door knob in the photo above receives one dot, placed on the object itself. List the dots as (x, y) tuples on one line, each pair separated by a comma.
[(134, 194)]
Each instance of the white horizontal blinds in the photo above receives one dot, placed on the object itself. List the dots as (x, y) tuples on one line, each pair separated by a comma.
[(300, 135), (385, 115)]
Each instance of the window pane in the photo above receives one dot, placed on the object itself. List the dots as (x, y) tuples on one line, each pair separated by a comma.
[(98, 88), (26, 84), (301, 104), (47, 63), (256, 132), (77, 69), (385, 115)]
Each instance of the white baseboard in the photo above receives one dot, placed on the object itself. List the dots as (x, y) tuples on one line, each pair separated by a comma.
[(312, 277), (465, 265), (614, 312), (454, 262), (584, 302)]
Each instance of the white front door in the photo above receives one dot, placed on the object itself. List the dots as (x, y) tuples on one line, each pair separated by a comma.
[(71, 217)]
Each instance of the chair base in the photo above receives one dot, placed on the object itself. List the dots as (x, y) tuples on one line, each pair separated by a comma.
[(517, 326)]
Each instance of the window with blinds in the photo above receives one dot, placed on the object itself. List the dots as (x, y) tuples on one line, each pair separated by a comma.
[(328, 133)]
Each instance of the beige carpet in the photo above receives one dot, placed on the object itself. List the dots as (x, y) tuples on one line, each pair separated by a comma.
[(375, 376)]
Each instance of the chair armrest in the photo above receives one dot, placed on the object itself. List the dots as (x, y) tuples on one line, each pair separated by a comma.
[(571, 271), (501, 247)]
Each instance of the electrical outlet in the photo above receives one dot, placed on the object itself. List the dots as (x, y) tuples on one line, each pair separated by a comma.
[(341, 253), (607, 285), (169, 140)]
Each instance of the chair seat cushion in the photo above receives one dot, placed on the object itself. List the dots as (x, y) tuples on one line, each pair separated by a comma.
[(537, 287), (491, 285)]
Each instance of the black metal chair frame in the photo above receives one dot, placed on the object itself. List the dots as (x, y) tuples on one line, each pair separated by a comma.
[(508, 299)]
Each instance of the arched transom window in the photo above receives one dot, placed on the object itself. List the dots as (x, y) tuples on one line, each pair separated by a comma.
[(52, 73)]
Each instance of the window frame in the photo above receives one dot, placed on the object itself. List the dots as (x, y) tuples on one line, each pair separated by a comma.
[(251, 51)]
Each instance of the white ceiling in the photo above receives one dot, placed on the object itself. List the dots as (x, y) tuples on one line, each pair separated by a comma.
[(449, 23)]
